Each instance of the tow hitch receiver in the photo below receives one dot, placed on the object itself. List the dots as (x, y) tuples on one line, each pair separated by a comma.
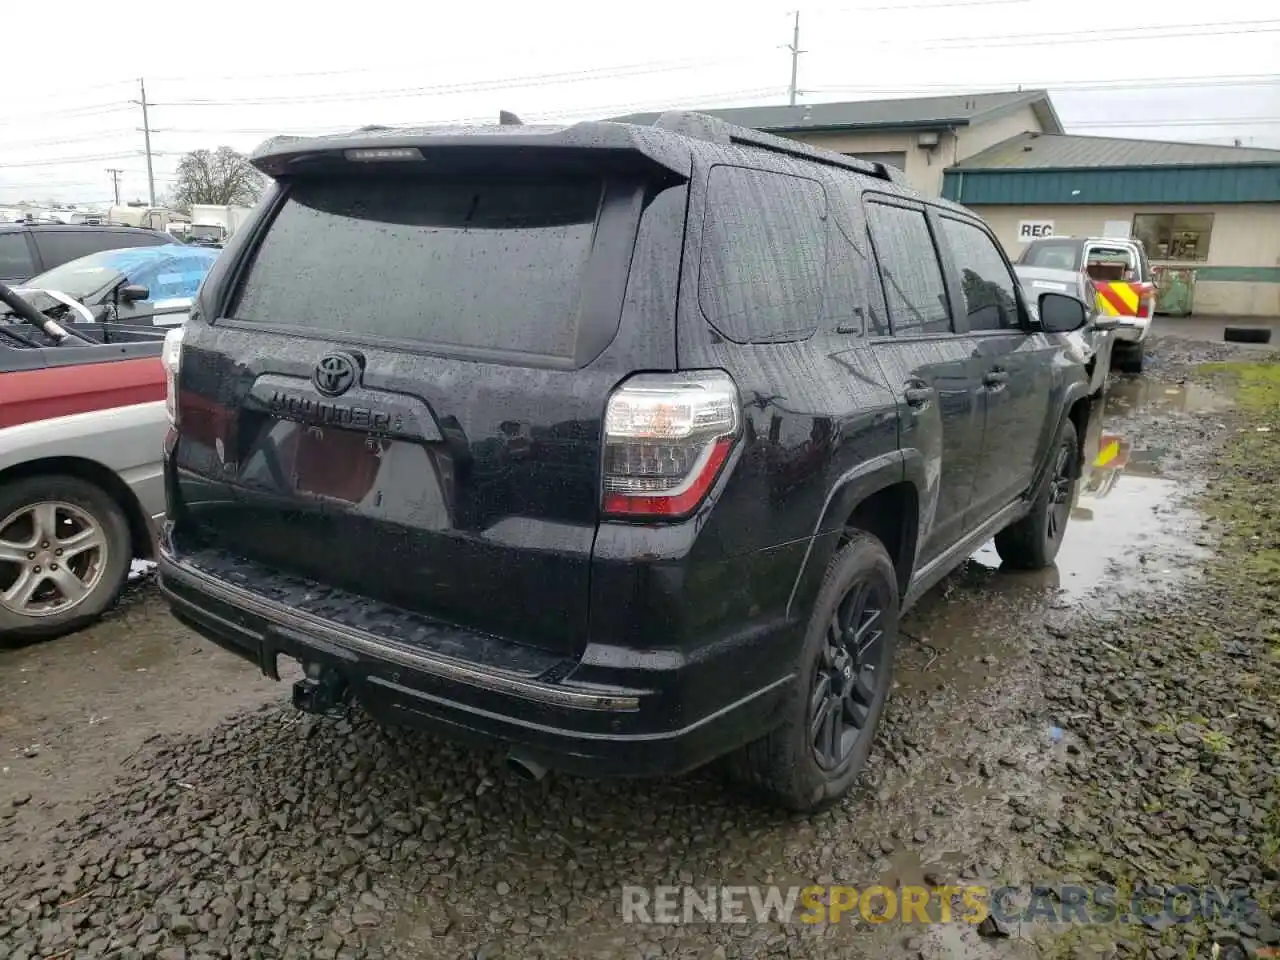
[(322, 690)]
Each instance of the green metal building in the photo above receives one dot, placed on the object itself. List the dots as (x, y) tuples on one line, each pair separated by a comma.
[(1209, 216)]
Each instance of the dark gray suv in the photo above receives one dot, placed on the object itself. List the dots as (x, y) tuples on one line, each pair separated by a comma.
[(28, 249), (623, 447)]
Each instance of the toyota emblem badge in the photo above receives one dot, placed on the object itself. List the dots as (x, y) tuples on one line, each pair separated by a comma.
[(335, 374)]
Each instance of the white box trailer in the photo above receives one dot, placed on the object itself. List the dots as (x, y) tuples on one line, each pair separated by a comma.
[(217, 222), (153, 218)]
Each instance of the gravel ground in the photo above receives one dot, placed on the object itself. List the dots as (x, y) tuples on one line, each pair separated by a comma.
[(1110, 720)]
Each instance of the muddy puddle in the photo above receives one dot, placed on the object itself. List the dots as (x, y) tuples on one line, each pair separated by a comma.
[(1131, 531), (1130, 528)]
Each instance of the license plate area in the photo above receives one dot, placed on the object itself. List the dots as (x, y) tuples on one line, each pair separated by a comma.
[(332, 464)]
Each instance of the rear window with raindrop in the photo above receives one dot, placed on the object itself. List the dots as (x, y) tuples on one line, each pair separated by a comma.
[(464, 261)]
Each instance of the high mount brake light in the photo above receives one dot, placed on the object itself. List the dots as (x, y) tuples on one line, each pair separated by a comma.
[(667, 436), (367, 154), (171, 359)]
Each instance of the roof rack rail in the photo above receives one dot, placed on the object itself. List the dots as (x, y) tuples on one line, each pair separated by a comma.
[(701, 126)]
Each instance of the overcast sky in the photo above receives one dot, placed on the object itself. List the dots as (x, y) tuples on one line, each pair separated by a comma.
[(233, 72)]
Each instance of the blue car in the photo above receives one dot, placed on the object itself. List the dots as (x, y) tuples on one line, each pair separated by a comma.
[(138, 285)]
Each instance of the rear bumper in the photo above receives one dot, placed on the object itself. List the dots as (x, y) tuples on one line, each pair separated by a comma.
[(1132, 329), (595, 728)]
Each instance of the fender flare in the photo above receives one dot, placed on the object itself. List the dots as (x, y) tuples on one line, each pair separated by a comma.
[(849, 490), (1075, 393)]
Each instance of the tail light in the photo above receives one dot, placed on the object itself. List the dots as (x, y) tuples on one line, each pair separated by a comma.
[(171, 359), (1146, 298), (667, 436)]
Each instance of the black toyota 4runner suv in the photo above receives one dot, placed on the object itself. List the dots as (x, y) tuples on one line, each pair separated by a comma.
[(624, 447)]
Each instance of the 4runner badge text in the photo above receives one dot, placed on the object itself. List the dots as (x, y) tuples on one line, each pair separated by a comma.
[(309, 410)]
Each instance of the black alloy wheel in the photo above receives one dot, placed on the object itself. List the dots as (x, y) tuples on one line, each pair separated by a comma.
[(847, 678)]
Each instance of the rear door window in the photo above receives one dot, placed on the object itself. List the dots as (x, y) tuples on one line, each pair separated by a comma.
[(764, 254), (15, 257), (462, 261), (914, 291)]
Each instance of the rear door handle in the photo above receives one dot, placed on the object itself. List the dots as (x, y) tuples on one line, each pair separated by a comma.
[(995, 378), (917, 396)]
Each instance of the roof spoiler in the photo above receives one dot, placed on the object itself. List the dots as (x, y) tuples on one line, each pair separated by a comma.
[(701, 126)]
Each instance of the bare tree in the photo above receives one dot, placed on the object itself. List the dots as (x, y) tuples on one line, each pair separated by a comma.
[(219, 176)]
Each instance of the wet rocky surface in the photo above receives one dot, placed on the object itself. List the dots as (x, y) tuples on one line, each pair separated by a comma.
[(1113, 720)]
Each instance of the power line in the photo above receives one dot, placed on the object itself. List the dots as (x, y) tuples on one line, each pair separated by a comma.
[(618, 109), (31, 184), (614, 109), (479, 86), (1075, 36), (1181, 122), (1105, 36), (947, 4), (86, 138), (68, 160), (76, 113), (595, 111), (1119, 85), (1173, 31), (546, 79), (1141, 83), (188, 78), (705, 99)]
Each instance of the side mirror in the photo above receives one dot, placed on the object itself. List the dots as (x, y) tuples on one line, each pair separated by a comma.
[(132, 293), (1060, 313)]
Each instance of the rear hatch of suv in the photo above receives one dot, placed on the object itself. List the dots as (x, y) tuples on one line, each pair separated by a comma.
[(394, 384)]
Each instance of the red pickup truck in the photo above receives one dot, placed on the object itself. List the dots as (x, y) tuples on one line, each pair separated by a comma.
[(81, 435)]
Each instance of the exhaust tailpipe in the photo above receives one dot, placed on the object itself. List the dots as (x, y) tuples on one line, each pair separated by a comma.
[(530, 771)]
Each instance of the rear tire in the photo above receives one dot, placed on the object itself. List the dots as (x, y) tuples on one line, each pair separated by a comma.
[(1033, 542), (73, 508), (835, 703), (1130, 357)]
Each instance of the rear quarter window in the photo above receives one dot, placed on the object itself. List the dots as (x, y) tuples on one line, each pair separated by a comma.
[(764, 253), (492, 264), (62, 246)]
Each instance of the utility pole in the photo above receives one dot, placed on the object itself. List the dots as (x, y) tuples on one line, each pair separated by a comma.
[(115, 182), (146, 135), (794, 47)]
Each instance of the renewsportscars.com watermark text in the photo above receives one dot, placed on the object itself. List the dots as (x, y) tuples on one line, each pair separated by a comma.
[(1063, 903)]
